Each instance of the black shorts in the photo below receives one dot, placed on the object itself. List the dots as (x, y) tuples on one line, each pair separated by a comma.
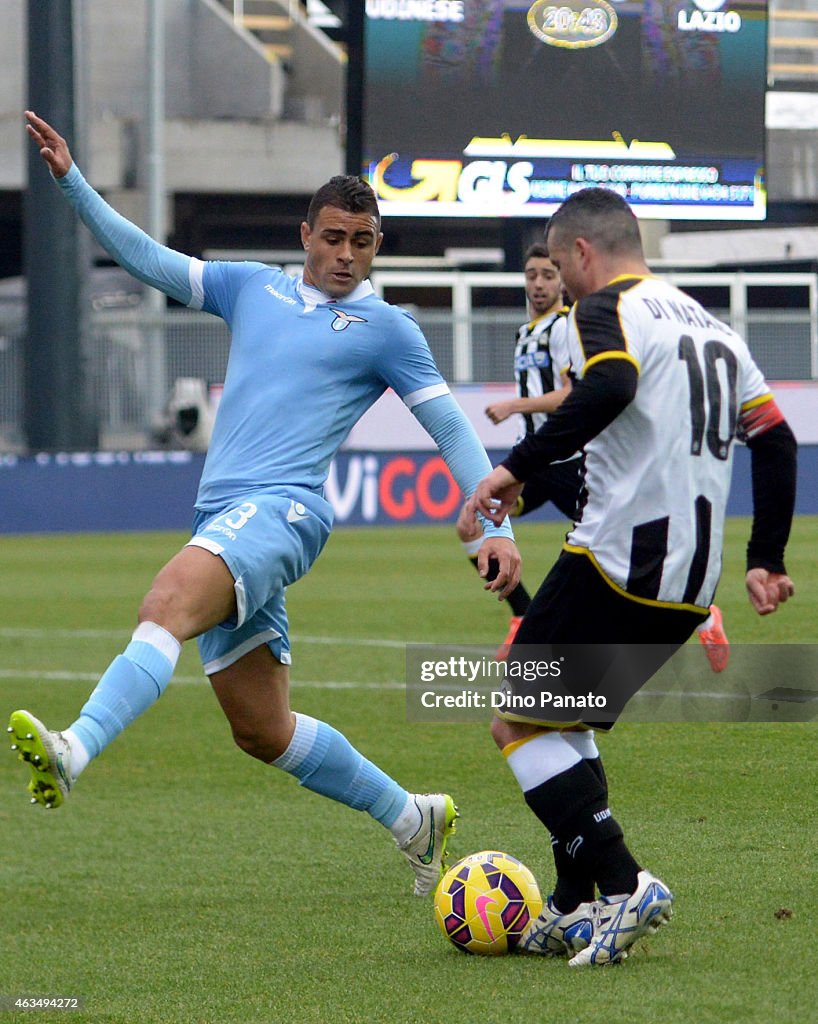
[(599, 642), (559, 483)]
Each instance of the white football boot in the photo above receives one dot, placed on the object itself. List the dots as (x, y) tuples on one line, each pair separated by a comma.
[(556, 934), (619, 924), (426, 849)]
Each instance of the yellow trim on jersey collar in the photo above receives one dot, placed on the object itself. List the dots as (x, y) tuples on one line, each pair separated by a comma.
[(561, 311), (611, 354), (629, 277), (533, 323), (575, 549)]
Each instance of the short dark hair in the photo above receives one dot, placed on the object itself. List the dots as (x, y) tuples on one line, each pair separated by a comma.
[(345, 192), (539, 250), (602, 217)]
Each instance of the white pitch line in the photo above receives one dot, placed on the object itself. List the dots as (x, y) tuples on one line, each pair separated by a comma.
[(47, 676), (298, 684), (350, 641), (22, 633)]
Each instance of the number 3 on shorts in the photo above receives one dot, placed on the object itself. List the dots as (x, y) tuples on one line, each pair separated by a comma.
[(238, 517)]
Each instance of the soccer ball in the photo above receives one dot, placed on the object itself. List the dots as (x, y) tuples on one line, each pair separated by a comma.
[(484, 902)]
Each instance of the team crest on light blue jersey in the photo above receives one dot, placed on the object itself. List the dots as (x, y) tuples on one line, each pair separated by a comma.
[(343, 320)]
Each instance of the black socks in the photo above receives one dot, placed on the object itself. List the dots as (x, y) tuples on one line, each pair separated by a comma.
[(587, 841)]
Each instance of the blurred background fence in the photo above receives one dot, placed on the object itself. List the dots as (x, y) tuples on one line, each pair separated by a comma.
[(469, 318)]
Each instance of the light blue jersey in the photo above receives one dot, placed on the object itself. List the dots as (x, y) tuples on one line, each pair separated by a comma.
[(303, 367), (302, 371)]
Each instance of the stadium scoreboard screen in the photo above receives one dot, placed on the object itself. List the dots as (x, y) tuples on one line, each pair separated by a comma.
[(487, 108)]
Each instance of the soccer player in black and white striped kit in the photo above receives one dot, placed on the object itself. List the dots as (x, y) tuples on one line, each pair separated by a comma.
[(540, 374), (542, 365), (661, 394)]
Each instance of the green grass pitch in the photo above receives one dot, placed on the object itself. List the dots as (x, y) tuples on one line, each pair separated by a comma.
[(183, 882)]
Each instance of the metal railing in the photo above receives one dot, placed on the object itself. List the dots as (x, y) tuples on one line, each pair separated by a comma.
[(471, 343), (467, 323)]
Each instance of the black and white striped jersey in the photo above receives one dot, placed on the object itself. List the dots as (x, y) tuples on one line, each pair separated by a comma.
[(540, 356), (658, 476)]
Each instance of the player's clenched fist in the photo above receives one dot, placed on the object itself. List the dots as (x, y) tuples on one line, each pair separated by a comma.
[(53, 147), (767, 590)]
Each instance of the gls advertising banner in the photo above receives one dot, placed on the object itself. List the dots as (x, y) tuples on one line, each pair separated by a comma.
[(493, 108)]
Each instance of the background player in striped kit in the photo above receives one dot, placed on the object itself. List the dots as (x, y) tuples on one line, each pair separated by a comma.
[(540, 374)]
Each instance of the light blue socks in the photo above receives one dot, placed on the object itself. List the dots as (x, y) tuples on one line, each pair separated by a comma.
[(133, 682), (326, 762), (318, 756)]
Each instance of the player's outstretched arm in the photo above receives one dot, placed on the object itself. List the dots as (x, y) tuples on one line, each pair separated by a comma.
[(134, 250), (458, 444), (588, 407), (52, 146), (496, 495)]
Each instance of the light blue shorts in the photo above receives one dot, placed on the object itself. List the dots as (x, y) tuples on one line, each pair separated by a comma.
[(267, 541)]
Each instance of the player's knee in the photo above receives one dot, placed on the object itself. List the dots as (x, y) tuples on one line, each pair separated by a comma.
[(501, 732), (264, 745), (183, 612), (166, 610), (156, 607)]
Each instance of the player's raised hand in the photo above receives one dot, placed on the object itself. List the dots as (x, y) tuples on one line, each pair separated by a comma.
[(767, 590), (496, 494), (499, 563), (53, 147)]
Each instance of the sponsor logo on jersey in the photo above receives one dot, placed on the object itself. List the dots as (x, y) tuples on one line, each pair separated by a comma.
[(532, 360), (279, 295)]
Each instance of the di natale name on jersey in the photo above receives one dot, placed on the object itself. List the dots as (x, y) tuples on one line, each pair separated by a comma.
[(688, 314)]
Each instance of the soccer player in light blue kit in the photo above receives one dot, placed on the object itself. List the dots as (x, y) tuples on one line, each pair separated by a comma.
[(308, 356)]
